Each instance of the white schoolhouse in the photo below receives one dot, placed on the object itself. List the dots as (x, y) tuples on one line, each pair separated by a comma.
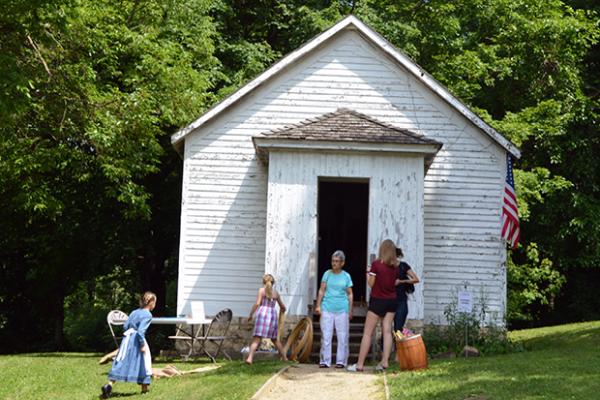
[(343, 143)]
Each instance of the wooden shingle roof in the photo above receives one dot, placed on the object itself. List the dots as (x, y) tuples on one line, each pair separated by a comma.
[(350, 126), (345, 130)]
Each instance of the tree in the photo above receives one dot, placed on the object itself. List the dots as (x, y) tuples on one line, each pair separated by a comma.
[(91, 92)]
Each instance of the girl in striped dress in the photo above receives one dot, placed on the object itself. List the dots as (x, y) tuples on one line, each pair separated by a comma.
[(266, 317)]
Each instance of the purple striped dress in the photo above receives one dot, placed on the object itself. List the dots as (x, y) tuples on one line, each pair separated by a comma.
[(266, 319)]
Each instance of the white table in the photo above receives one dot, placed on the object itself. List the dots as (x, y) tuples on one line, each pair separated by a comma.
[(191, 322)]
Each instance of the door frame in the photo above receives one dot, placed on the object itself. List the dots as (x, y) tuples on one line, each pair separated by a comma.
[(342, 179)]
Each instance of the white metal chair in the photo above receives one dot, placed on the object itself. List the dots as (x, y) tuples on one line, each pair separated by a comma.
[(116, 318)]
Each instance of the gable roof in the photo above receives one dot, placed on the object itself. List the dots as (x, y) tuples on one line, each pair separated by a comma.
[(347, 125), (350, 22), (345, 130)]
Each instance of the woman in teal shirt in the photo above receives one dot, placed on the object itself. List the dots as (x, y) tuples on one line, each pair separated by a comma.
[(334, 303)]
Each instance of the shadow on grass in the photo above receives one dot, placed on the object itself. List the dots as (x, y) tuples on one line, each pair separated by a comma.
[(61, 355), (226, 367), (117, 395)]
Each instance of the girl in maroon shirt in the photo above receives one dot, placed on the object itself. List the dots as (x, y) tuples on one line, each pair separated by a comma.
[(381, 278)]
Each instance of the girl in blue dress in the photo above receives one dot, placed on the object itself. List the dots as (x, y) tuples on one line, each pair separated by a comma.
[(133, 361)]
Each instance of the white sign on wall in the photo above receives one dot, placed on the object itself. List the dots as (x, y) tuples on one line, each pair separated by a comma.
[(465, 301)]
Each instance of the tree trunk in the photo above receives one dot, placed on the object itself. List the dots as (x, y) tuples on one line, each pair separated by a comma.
[(59, 322), (152, 277)]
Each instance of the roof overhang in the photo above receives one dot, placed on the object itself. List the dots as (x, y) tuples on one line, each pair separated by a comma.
[(264, 145), (350, 22)]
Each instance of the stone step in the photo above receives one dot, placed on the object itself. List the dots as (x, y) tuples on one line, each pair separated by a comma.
[(353, 335), (356, 332), (354, 326)]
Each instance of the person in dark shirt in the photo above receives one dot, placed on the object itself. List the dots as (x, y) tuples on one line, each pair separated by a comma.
[(404, 286)]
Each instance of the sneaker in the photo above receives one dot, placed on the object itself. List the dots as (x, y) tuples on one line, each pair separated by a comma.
[(339, 366), (106, 391), (354, 368)]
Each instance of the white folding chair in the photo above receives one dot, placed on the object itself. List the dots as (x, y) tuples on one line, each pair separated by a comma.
[(116, 318)]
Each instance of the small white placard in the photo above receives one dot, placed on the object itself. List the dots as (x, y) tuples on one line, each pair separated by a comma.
[(465, 301)]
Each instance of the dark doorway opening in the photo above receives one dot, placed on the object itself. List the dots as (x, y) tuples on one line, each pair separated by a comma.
[(343, 209)]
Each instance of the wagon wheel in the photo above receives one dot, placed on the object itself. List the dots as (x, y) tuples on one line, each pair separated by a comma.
[(300, 341)]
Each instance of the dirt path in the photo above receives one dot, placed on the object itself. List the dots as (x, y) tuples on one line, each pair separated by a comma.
[(309, 382)]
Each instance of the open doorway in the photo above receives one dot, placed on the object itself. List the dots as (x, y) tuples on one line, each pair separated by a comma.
[(343, 209)]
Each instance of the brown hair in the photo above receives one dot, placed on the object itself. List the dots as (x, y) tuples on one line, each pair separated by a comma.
[(387, 253), (147, 298), (268, 281)]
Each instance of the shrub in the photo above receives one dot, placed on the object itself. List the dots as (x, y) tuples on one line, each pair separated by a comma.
[(476, 329)]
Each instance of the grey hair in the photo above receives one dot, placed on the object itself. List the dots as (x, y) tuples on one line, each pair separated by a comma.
[(339, 254)]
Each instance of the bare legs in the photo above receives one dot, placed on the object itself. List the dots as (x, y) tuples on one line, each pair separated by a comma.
[(256, 342), (277, 344), (365, 343), (253, 347), (386, 328)]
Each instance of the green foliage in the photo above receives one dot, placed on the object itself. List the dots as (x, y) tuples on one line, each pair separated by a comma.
[(91, 91), (474, 329), (534, 283), (86, 308)]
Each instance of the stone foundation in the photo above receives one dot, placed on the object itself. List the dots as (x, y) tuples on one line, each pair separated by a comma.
[(240, 336)]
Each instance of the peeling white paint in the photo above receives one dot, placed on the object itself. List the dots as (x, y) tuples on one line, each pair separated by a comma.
[(241, 218)]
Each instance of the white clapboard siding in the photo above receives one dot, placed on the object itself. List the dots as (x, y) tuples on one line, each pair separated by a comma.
[(224, 213), (292, 213)]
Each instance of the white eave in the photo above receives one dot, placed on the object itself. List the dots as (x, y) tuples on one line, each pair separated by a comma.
[(265, 145), (380, 42), (337, 146)]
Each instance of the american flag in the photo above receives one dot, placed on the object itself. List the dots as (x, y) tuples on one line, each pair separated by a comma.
[(511, 231)]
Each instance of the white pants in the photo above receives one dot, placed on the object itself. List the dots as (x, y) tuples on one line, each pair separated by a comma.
[(341, 324)]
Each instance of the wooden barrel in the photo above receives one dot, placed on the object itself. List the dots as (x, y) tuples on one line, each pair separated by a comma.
[(411, 353)]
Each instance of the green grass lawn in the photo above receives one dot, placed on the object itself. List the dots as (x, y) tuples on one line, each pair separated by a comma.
[(561, 362), (78, 376)]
